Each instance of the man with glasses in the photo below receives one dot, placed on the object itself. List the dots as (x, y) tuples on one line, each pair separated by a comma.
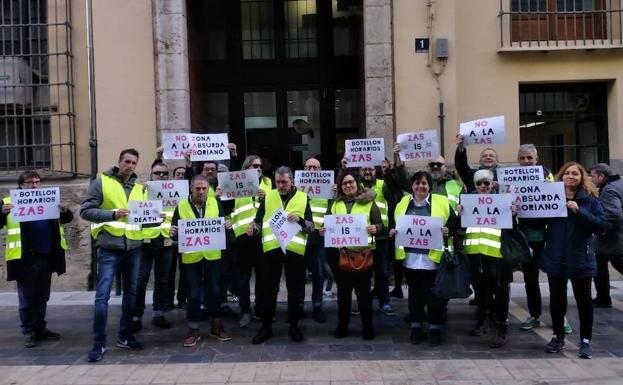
[(443, 182), (34, 250), (157, 251), (488, 161)]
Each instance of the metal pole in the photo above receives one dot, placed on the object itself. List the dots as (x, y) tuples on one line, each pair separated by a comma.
[(92, 127), (441, 129)]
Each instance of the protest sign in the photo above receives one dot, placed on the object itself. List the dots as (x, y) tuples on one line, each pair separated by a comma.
[(209, 147), (365, 152), (485, 131), (419, 232), (540, 200), (201, 234), (487, 210), (174, 145), (170, 192), (317, 184), (345, 230), (238, 184), (144, 212), (421, 145), (521, 174), (35, 204), (283, 230)]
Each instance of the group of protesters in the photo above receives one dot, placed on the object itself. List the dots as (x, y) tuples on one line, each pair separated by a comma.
[(564, 248)]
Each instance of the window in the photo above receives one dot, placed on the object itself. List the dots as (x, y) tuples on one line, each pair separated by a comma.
[(347, 28), (300, 28), (258, 29)]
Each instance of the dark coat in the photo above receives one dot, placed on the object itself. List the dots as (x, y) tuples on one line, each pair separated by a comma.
[(611, 197), (569, 242)]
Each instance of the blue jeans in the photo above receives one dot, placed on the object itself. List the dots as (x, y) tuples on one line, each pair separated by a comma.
[(314, 261), (202, 282), (160, 258), (381, 272), (109, 262), (33, 291)]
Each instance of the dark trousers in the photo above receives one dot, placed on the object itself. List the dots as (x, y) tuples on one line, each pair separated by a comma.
[(531, 279), (423, 304), (602, 280), (381, 271), (202, 283), (247, 252), (273, 262), (558, 304), (160, 258), (176, 264), (491, 278), (346, 282), (33, 291), (314, 259), (227, 272)]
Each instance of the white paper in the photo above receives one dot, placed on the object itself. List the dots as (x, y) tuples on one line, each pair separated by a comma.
[(35, 204), (419, 232), (540, 200), (238, 184), (521, 174), (420, 145), (283, 230), (174, 145), (485, 131), (209, 147), (487, 210), (170, 192), (144, 212), (368, 152), (345, 230), (201, 234), (317, 184)]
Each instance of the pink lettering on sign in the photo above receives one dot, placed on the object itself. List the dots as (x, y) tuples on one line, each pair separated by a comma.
[(480, 123), (485, 200), (419, 222)]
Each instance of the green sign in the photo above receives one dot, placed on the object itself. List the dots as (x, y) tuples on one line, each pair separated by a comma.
[(5, 77)]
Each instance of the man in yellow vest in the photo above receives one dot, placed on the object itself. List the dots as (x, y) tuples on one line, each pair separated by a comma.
[(296, 204), (157, 251), (34, 250), (119, 244), (201, 268)]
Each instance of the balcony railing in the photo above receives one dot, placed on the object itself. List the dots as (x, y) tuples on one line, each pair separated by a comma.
[(547, 25)]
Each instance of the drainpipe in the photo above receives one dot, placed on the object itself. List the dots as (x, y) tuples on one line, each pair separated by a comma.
[(92, 127), (441, 129)]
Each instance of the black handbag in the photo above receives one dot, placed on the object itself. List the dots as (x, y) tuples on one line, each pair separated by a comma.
[(453, 277), (515, 248)]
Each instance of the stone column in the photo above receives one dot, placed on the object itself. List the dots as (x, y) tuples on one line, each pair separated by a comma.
[(171, 63), (378, 60)]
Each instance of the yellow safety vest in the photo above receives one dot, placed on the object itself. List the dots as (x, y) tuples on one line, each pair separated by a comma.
[(14, 236), (114, 198), (185, 211), (483, 240), (319, 209), (245, 209), (339, 208), (296, 205), (440, 208), (453, 192), (381, 201)]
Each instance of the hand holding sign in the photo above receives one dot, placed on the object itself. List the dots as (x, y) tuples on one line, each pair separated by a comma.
[(485, 131), (419, 232), (282, 228), (209, 147), (487, 210), (365, 152), (345, 230), (238, 184), (35, 204), (418, 145)]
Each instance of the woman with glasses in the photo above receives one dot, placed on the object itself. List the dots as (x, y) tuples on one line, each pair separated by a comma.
[(420, 265), (491, 275), (569, 255), (353, 198)]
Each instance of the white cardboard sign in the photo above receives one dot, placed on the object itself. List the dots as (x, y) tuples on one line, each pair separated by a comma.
[(209, 147), (317, 184), (345, 230), (520, 174), (419, 232), (367, 152), (540, 200), (35, 204), (174, 145), (420, 145), (485, 131), (284, 231), (238, 184), (201, 234), (170, 192), (487, 210), (144, 212)]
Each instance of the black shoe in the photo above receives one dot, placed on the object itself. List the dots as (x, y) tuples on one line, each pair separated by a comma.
[(228, 312), (136, 326), (161, 322), (47, 334), (416, 336), (602, 303), (368, 333), (318, 315), (397, 293), (434, 337), (295, 334), (341, 331), (29, 340), (262, 336)]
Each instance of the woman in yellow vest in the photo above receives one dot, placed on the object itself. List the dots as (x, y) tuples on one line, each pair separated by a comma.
[(353, 198), (491, 275), (420, 265)]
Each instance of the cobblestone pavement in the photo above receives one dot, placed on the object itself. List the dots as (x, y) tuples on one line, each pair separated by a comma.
[(320, 359)]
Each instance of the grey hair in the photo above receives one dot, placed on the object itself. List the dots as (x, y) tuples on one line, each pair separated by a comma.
[(283, 170), (602, 169), (528, 147), (249, 160)]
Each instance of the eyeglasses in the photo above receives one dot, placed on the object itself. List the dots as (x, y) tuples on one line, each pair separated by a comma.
[(256, 165), (486, 183), (436, 165), (161, 173), (33, 182), (347, 182)]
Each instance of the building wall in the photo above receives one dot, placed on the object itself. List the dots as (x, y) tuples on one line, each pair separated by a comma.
[(477, 80)]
